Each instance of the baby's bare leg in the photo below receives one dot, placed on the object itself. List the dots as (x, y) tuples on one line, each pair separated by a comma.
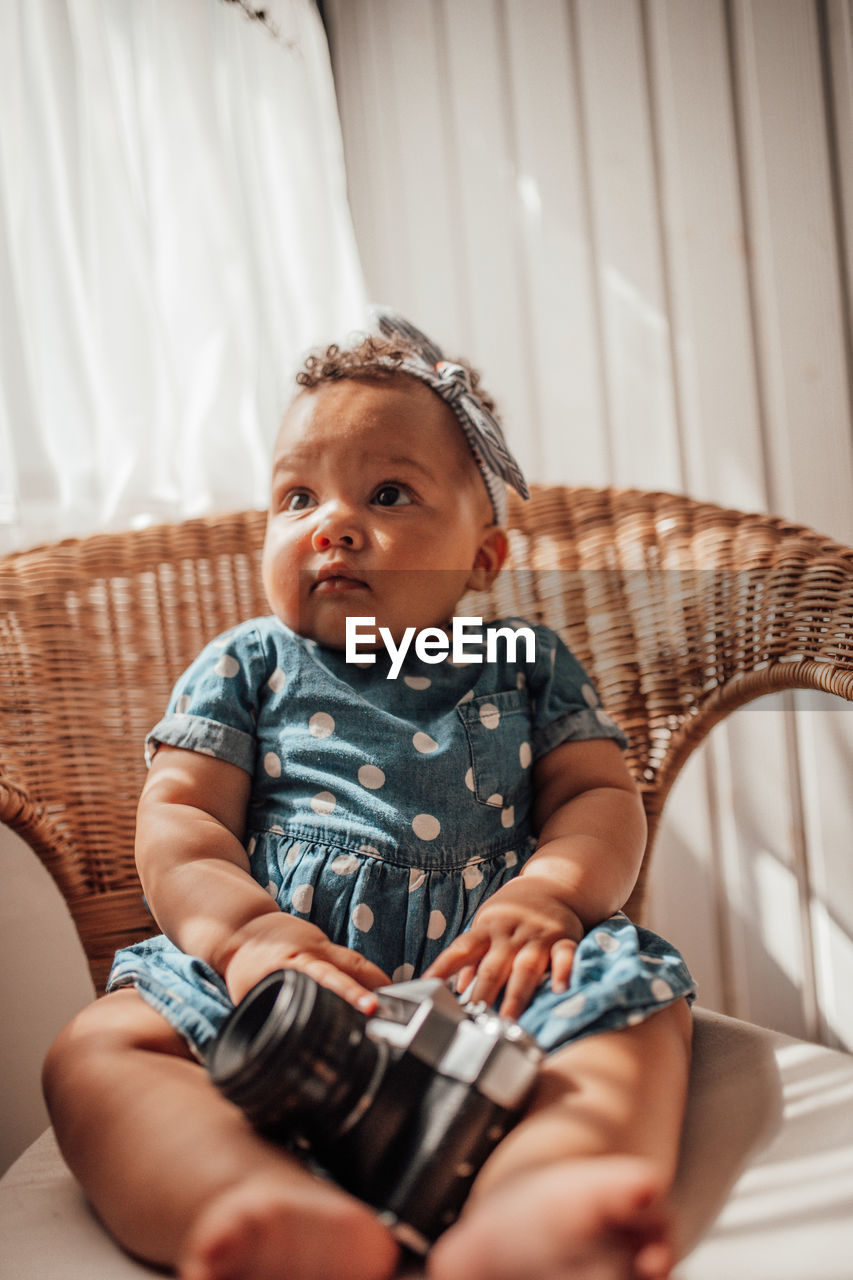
[(579, 1187), (177, 1173)]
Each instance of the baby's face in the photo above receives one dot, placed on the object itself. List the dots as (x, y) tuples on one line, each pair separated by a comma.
[(378, 510)]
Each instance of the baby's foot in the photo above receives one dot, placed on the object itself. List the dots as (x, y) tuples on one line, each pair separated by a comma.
[(599, 1218), (268, 1228)]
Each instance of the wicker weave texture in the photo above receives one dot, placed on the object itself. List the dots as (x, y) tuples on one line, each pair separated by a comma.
[(93, 634), (681, 611)]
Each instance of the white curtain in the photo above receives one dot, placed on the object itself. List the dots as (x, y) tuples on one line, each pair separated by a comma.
[(174, 233)]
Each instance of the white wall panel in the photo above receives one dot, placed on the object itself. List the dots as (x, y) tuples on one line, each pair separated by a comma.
[(837, 36), (688, 899), (706, 249), (425, 217), (563, 320), (630, 271), (488, 202), (637, 217), (765, 858), (800, 330), (826, 762)]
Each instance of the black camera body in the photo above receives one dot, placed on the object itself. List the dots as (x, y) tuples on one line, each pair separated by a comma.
[(401, 1108)]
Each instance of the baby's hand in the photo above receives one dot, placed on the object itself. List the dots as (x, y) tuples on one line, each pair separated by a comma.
[(276, 940), (520, 933)]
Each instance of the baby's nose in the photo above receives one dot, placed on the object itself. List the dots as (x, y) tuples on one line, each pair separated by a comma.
[(322, 541), (337, 528)]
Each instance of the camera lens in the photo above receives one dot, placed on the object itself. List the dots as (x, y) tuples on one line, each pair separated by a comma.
[(294, 1056)]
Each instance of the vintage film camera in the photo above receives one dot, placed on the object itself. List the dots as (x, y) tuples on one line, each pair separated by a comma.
[(401, 1108)]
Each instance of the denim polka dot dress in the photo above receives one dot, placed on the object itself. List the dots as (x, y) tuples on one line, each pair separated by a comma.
[(386, 810)]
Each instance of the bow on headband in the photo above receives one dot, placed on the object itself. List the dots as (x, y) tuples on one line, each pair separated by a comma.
[(451, 381)]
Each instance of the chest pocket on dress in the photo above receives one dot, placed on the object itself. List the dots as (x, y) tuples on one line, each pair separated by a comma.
[(497, 726)]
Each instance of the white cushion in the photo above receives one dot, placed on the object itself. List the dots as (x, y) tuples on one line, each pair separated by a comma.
[(764, 1191)]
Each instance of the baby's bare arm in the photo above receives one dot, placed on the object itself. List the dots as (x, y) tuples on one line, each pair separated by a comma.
[(197, 881), (591, 827), (591, 839)]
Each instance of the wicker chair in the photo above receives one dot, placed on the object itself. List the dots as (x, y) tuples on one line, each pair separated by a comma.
[(680, 610)]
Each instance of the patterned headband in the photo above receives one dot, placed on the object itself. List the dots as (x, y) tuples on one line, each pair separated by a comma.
[(482, 430)]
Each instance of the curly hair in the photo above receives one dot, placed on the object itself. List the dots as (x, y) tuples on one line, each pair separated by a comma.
[(374, 357)]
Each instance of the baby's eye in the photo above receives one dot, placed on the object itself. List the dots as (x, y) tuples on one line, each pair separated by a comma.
[(392, 495), (297, 500)]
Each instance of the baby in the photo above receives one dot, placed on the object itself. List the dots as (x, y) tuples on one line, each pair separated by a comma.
[(374, 820)]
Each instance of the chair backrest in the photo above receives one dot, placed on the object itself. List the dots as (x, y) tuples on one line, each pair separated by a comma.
[(93, 634), (681, 611)]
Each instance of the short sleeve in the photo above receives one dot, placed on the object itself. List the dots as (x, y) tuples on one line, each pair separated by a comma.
[(566, 705), (213, 707)]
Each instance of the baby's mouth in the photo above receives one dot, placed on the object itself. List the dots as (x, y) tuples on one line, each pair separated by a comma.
[(337, 578)]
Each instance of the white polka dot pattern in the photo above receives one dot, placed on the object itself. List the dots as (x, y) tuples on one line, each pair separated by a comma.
[(661, 990), (490, 716), (301, 898), (426, 826), (437, 925), (323, 803), (227, 666), (363, 918), (321, 725), (370, 776), (272, 765), (472, 875)]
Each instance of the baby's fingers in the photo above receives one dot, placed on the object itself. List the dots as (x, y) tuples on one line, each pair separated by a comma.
[(493, 972), (359, 967), (528, 969), (463, 954), (562, 959), (346, 973), (334, 979)]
